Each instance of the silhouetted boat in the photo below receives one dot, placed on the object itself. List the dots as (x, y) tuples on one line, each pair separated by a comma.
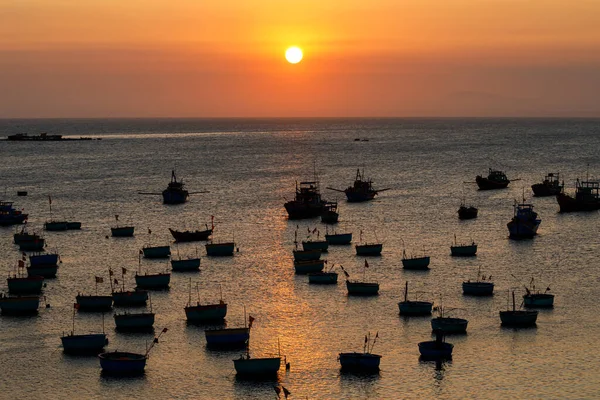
[(361, 362), (479, 287), (587, 197), (516, 317), (550, 186), (9, 215), (414, 307), (467, 212), (414, 262), (463, 250), (495, 180), (446, 324), (436, 349), (306, 255), (47, 271), (309, 266), (200, 313), (21, 284), (330, 214), (126, 298), (157, 252), (37, 244), (307, 202), (220, 249), (94, 302), (369, 249), (361, 190), (228, 337), (336, 239), (189, 264), (320, 245), (91, 343), (175, 192), (153, 281), (535, 298), (257, 366), (56, 225), (121, 231), (361, 288), (45, 265), (73, 225), (191, 236), (525, 221), (323, 277), (121, 363), (19, 305), (134, 321)]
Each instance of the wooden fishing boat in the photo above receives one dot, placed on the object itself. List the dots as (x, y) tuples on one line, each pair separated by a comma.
[(534, 298), (10, 215), (156, 251), (94, 302), (324, 277), (414, 262), (446, 324), (307, 201), (56, 225), (436, 349), (307, 267), (200, 313), (361, 288), (19, 284), (153, 281), (320, 245), (19, 305), (33, 245), (525, 221), (338, 239), (46, 271), (24, 236), (122, 231), (495, 180), (257, 366), (220, 249), (467, 212), (463, 250), (587, 197), (91, 343), (330, 215), (122, 363), (227, 337), (361, 362), (130, 298), (191, 236), (185, 265), (71, 225), (43, 259), (518, 318), (306, 255), (550, 186), (369, 249), (134, 321), (479, 287), (414, 307), (361, 190)]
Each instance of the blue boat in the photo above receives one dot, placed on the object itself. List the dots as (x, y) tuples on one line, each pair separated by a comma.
[(153, 281), (338, 239), (369, 249), (257, 366), (436, 349), (361, 362), (307, 267), (91, 343), (227, 337), (125, 298), (43, 259), (306, 255), (134, 321), (157, 252), (121, 363), (122, 231), (19, 305), (47, 271), (9, 215), (25, 285), (525, 222), (414, 307), (220, 249), (191, 264), (94, 302)]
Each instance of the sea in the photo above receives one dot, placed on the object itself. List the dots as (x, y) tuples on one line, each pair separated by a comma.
[(242, 171)]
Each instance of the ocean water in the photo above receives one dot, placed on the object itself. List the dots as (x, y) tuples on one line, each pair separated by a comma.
[(249, 168)]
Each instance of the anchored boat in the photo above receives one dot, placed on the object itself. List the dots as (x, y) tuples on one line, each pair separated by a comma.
[(330, 213), (307, 201), (467, 212), (9, 215), (127, 298), (518, 318), (414, 262), (436, 349), (361, 362), (587, 197), (91, 343), (307, 267), (361, 190), (323, 277), (229, 337), (338, 239), (550, 186), (534, 298), (361, 288), (479, 287), (525, 221), (495, 180), (200, 313), (94, 302), (448, 325), (414, 307), (122, 363), (463, 250), (19, 305), (121, 231)]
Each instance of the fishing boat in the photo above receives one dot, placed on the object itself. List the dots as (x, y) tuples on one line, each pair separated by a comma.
[(10, 215), (37, 244), (122, 363), (436, 349), (257, 366), (94, 302), (369, 249), (21, 284), (72, 225), (482, 286), (229, 337), (361, 288), (338, 239), (191, 236), (307, 202), (56, 225), (361, 190), (175, 192), (525, 221), (415, 262), (91, 343), (446, 324), (126, 298), (324, 277), (495, 180), (187, 264), (24, 236), (121, 231), (306, 255), (534, 298), (200, 313), (463, 250), (467, 212), (43, 259), (47, 271), (366, 361), (518, 318), (220, 249), (330, 214), (587, 197), (19, 305), (156, 251), (414, 307), (550, 186), (307, 267), (153, 281), (134, 321), (318, 244)]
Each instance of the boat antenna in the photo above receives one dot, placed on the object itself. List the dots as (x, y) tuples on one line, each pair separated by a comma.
[(221, 291), (150, 299), (74, 311), (406, 291), (198, 292), (190, 294)]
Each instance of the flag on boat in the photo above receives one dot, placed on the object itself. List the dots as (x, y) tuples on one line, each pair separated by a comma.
[(21, 264), (277, 390), (366, 264), (116, 281), (164, 330), (49, 199), (149, 231), (76, 306), (286, 392), (99, 279), (116, 217), (366, 339), (250, 321), (110, 272), (123, 270)]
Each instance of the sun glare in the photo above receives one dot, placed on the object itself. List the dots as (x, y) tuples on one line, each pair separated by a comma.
[(293, 55)]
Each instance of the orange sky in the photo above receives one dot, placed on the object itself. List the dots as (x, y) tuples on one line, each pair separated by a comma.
[(191, 58)]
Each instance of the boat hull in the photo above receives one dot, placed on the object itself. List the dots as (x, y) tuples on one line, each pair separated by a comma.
[(449, 325), (228, 337), (306, 255), (307, 267), (359, 197), (19, 305), (362, 288), (523, 229), (415, 307), (30, 285), (47, 271), (486, 184), (321, 245), (323, 278), (56, 226), (141, 321), (205, 313), (94, 303), (89, 343), (539, 300), (43, 259), (339, 239), (541, 190), (157, 252), (435, 350), (369, 249), (175, 197), (359, 362), (220, 249), (153, 281), (463, 251), (122, 363), (298, 210), (192, 264), (73, 225), (122, 231), (32, 245), (419, 263), (567, 203), (257, 366), (330, 217), (518, 318), (189, 236), (478, 288), (130, 298)]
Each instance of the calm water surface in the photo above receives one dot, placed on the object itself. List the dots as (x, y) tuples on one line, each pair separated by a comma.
[(249, 168)]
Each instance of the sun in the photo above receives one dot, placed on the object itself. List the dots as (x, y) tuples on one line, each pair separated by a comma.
[(293, 55)]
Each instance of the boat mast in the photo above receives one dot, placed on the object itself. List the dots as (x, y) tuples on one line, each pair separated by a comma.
[(406, 292), (190, 294)]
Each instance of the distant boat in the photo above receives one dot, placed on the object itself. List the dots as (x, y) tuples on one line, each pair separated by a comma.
[(200, 313), (361, 190), (121, 363), (91, 343), (368, 249), (134, 321), (436, 349), (94, 302), (463, 250), (306, 255), (448, 325), (467, 212), (518, 318), (153, 281), (187, 264), (414, 262), (318, 244), (175, 193), (126, 298), (587, 197), (47, 271), (257, 366), (21, 284), (229, 337), (10, 215), (156, 252), (56, 225), (43, 264), (191, 236), (550, 186), (309, 266), (330, 214), (534, 298), (479, 287), (73, 225), (19, 305), (361, 362), (337, 239), (323, 277), (307, 201), (414, 307), (220, 249), (361, 288), (525, 221), (121, 231), (29, 241), (495, 180)]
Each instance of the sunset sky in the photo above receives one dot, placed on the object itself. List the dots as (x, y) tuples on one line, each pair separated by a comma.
[(195, 58)]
